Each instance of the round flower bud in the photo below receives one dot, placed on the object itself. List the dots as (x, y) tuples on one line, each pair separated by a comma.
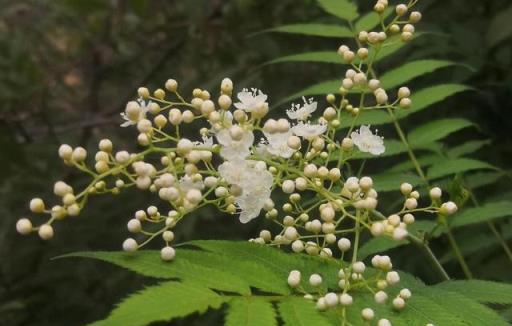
[(331, 299), (61, 188), (415, 17), (408, 28), (143, 92), (344, 244), (194, 196), (435, 193), (366, 183), (448, 208), (167, 253), (381, 97), (406, 188), (315, 280), (288, 186), (310, 170), (398, 303), (65, 152), (184, 146), (36, 205), (291, 233), (367, 314), (265, 235), (380, 297), (374, 84), (352, 184), (406, 36), (408, 219), (45, 232), (342, 49), (348, 56), (134, 225), (105, 145), (211, 182), (327, 214), (294, 278), (298, 246), (358, 267), (360, 78), (363, 36), (320, 304), (347, 83), (130, 245), (377, 229), (399, 234), (405, 103), (187, 116), (329, 113), (346, 299), (403, 92), (405, 294), (294, 142), (24, 226), (362, 53), (226, 86), (392, 277), (301, 184), (411, 203), (79, 154), (383, 322), (171, 85), (347, 144), (401, 9)]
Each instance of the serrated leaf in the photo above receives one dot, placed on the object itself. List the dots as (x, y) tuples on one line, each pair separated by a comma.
[(436, 130), (371, 20), (344, 9), (162, 302), (300, 312), (401, 75), (467, 148), (323, 30), (487, 212), (481, 291), (187, 267), (458, 165), (250, 311), (420, 99)]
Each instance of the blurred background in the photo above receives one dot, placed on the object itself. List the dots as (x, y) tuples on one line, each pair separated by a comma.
[(69, 66)]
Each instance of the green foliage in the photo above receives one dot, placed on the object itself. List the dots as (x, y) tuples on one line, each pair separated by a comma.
[(436, 130), (344, 9), (186, 294), (481, 291), (487, 212), (324, 30), (458, 165)]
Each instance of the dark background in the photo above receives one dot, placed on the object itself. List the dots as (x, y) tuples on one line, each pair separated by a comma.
[(68, 67)]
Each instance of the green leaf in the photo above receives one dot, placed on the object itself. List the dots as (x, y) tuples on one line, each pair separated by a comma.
[(467, 148), (344, 9), (458, 165), (250, 311), (161, 302), (401, 75), (188, 266), (487, 212), (324, 30), (371, 20), (420, 101), (436, 130), (481, 291), (300, 312), (424, 161), (318, 56), (500, 28), (392, 181)]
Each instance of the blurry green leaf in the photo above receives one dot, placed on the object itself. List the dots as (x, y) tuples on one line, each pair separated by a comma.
[(401, 75), (344, 9), (455, 166), (424, 161), (467, 148), (370, 20), (324, 30), (165, 301), (392, 181), (500, 27), (487, 212), (319, 56), (481, 291), (481, 179), (436, 130), (250, 311)]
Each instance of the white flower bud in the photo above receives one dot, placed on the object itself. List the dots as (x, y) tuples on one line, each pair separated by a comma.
[(435, 193), (184, 146), (167, 253), (171, 85), (301, 184), (406, 188), (226, 86), (367, 314), (399, 234), (346, 299), (348, 56), (411, 203), (347, 83), (283, 125), (298, 246), (352, 184), (207, 107), (383, 322), (415, 17), (380, 96), (347, 144), (377, 229), (374, 84), (366, 183), (79, 154), (144, 126), (36, 205), (331, 299), (134, 225), (380, 297), (105, 145), (358, 267), (236, 132), (327, 214), (448, 208), (320, 304), (65, 152), (403, 92), (288, 186), (405, 294), (61, 188), (398, 303), (344, 244), (392, 277), (194, 196), (45, 232), (401, 9), (294, 278), (408, 219), (408, 28), (130, 245), (342, 49), (310, 170), (291, 233), (315, 280), (24, 226)]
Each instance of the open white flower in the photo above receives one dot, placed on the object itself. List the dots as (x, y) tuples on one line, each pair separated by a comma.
[(207, 143), (250, 100), (255, 182), (308, 130), (186, 183), (302, 113), (138, 111), (232, 149), (368, 142), (278, 144)]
